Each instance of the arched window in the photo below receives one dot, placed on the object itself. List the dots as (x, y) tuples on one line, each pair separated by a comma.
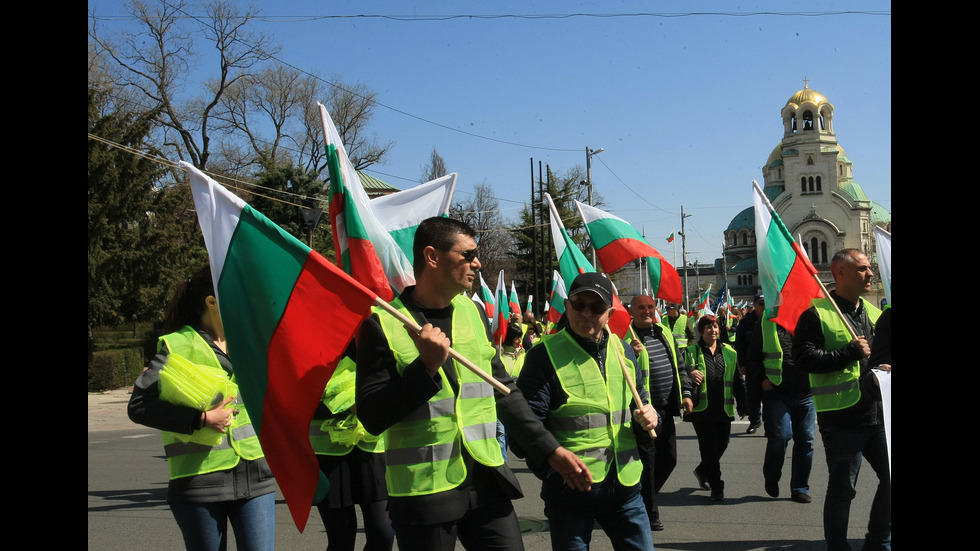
[(811, 184), (823, 252), (807, 120), (794, 123), (745, 239), (823, 125), (814, 247), (803, 184), (818, 183)]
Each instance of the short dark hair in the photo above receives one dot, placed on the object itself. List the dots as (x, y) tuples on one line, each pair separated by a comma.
[(438, 232)]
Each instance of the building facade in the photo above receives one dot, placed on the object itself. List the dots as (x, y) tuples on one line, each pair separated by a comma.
[(808, 178)]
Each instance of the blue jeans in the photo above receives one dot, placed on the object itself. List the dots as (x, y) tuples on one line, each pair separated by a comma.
[(502, 438), (788, 418), (845, 447), (205, 525), (625, 522)]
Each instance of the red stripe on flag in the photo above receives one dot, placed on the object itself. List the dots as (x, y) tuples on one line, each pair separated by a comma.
[(798, 290), (366, 268), (324, 310)]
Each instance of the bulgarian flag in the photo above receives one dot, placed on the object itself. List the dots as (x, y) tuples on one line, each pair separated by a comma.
[(288, 315), (702, 303), (530, 304), (556, 301), (514, 303), (476, 299), (617, 242), (670, 238), (488, 301), (502, 316), (365, 249), (401, 212), (620, 319), (789, 280), (572, 262)]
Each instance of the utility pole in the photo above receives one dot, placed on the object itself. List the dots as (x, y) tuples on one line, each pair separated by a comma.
[(684, 255), (588, 174)]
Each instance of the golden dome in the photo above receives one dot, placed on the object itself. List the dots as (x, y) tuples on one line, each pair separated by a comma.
[(806, 95)]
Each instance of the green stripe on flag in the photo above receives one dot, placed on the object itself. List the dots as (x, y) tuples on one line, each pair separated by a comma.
[(250, 311)]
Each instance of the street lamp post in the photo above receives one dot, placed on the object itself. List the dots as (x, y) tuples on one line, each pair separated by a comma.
[(588, 174), (687, 289)]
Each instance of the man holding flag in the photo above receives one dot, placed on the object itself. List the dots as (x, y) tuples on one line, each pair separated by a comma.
[(832, 341), (446, 476)]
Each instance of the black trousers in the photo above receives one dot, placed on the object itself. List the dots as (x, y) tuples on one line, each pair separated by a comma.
[(659, 457), (713, 440)]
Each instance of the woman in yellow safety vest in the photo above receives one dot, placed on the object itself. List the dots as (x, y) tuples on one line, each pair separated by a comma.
[(709, 399), (218, 473)]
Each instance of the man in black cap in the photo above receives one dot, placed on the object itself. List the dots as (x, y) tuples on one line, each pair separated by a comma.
[(753, 386), (571, 379)]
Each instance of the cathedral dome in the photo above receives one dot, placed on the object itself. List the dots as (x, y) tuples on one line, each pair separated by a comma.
[(806, 95), (744, 220)]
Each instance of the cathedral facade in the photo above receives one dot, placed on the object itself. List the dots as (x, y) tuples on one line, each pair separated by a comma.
[(808, 178)]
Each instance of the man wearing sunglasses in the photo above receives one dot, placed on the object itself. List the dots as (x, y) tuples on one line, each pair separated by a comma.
[(575, 383), (445, 472)]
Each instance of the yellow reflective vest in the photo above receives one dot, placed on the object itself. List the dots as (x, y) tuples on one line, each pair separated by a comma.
[(423, 450), (837, 389), (188, 456), (694, 357), (595, 421), (340, 434)]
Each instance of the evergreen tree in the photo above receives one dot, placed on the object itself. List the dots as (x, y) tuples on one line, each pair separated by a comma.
[(283, 192)]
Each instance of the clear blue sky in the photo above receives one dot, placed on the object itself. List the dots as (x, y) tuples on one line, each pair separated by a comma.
[(684, 97)]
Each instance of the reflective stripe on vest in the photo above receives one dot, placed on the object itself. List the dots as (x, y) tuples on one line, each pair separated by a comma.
[(695, 357), (187, 456), (423, 450), (772, 352), (679, 330), (595, 421), (838, 389)]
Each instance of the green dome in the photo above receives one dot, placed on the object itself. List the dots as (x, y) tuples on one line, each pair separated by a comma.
[(747, 265), (880, 214), (854, 190), (744, 220)]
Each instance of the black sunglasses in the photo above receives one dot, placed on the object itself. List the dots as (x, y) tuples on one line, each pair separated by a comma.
[(470, 255), (597, 308)]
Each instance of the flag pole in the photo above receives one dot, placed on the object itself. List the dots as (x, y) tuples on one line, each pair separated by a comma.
[(455, 355), (629, 380), (800, 252)]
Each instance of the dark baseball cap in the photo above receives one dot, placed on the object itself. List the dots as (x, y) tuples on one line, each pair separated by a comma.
[(759, 297), (595, 282)]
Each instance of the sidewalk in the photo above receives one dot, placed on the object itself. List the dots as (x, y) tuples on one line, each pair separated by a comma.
[(107, 410)]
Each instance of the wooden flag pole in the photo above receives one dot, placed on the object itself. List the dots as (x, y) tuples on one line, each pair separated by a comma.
[(629, 380), (455, 355), (847, 322)]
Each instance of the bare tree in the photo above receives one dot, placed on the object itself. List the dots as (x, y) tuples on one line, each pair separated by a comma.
[(436, 168), (493, 239), (155, 60)]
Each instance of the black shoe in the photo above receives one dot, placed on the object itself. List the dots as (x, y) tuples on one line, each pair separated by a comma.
[(718, 494), (656, 525), (753, 426), (772, 488), (801, 497), (701, 480)]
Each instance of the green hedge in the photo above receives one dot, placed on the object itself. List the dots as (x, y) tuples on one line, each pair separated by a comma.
[(117, 368)]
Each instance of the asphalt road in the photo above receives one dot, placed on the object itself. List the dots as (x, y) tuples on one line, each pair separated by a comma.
[(127, 485)]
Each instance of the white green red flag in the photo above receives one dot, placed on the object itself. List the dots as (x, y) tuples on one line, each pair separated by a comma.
[(556, 300), (487, 295), (502, 315), (572, 262), (617, 242), (401, 212), (787, 276), (288, 314), (620, 319), (364, 248), (670, 238), (530, 304), (476, 299), (883, 248), (513, 302), (702, 304)]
